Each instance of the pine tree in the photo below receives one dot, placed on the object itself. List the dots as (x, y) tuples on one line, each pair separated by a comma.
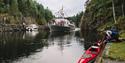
[(48, 14), (14, 8)]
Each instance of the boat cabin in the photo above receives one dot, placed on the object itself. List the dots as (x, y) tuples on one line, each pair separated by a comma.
[(60, 22)]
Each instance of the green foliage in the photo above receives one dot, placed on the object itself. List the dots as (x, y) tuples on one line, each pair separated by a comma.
[(76, 18), (26, 8), (100, 12), (3, 8), (48, 14), (14, 7), (121, 22), (7, 2), (23, 7), (41, 21)]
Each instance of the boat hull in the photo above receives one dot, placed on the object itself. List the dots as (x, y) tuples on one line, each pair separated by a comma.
[(59, 28), (90, 59), (91, 54)]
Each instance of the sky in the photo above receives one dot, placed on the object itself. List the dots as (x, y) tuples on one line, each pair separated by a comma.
[(71, 7)]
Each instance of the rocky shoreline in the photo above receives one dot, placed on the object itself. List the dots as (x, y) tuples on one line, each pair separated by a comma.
[(15, 28)]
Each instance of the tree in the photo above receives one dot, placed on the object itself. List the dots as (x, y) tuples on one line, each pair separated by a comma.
[(7, 2), (76, 18), (14, 7), (19, 9), (48, 14), (122, 5), (113, 8)]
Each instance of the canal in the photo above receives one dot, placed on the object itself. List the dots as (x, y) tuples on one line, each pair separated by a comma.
[(42, 47)]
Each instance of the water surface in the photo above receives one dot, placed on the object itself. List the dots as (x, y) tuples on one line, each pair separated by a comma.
[(40, 47)]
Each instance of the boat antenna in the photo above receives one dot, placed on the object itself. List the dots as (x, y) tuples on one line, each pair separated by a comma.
[(62, 12)]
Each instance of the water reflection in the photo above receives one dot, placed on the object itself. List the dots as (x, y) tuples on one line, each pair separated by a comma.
[(40, 47), (63, 48), (61, 39), (17, 44), (90, 37), (29, 34)]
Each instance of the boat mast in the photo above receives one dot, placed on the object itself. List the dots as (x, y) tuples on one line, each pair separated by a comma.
[(60, 13)]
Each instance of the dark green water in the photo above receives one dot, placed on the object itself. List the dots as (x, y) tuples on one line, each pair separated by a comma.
[(40, 47)]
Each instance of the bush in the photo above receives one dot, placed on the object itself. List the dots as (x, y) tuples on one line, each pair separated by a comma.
[(121, 23)]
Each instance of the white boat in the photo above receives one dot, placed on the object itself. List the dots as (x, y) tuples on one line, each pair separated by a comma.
[(61, 24), (32, 27)]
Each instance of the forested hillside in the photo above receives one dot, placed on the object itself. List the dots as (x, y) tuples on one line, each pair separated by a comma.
[(19, 11), (76, 18), (103, 13)]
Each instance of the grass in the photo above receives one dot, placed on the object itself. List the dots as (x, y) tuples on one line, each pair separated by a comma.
[(122, 35), (117, 50)]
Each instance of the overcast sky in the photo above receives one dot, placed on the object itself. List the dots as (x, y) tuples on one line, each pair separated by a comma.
[(71, 7)]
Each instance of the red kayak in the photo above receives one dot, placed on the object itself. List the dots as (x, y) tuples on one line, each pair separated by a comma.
[(90, 54)]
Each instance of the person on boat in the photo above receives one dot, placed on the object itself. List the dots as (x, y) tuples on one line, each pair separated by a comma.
[(112, 34)]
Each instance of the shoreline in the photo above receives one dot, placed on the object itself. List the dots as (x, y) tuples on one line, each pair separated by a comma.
[(114, 51), (17, 27)]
